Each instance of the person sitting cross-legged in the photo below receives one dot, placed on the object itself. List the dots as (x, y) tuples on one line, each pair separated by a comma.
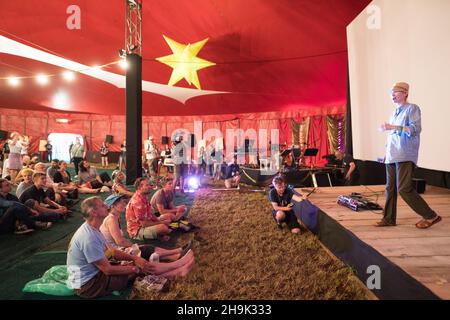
[(142, 223), (280, 197), (112, 232), (90, 273), (36, 198), (163, 205), (16, 217)]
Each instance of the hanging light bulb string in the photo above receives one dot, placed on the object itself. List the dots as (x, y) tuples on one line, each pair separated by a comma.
[(52, 74)]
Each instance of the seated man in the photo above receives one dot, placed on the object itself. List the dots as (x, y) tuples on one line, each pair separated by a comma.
[(351, 173), (163, 204), (52, 169), (14, 216), (51, 189), (37, 199), (90, 273), (280, 197), (232, 176), (142, 224)]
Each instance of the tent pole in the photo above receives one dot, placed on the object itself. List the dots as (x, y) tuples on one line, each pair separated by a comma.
[(134, 118)]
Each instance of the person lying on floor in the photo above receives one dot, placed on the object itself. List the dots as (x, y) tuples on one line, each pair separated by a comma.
[(16, 217), (280, 197), (90, 273), (88, 175), (142, 223), (163, 202), (112, 232), (119, 187), (35, 197), (64, 181)]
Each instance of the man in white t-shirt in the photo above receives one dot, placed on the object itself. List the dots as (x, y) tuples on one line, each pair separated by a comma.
[(90, 273)]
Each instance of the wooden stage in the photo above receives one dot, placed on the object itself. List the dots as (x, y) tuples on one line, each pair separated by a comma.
[(423, 254)]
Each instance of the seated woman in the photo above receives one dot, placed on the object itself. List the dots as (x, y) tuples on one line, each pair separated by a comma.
[(119, 187), (62, 178), (112, 232), (88, 175)]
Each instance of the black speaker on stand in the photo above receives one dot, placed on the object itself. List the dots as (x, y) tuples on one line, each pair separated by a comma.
[(192, 140), (109, 139), (3, 134), (164, 140)]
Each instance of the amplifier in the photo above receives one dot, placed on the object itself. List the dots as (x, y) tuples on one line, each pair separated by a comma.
[(348, 202), (357, 202)]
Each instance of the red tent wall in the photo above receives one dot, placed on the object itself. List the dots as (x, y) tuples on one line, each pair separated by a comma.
[(94, 128)]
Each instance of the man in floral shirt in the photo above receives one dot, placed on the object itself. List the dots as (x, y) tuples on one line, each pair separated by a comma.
[(142, 224)]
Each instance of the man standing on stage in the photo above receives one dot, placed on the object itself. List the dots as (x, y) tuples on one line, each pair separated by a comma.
[(402, 149)]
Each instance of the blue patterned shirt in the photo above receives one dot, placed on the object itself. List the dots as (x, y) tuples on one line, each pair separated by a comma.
[(403, 146)]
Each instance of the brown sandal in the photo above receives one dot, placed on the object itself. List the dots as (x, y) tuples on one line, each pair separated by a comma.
[(424, 224)]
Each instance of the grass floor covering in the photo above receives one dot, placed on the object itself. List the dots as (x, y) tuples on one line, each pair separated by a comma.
[(241, 254)]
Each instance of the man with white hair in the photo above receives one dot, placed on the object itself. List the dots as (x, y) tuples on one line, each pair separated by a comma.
[(90, 273), (402, 151)]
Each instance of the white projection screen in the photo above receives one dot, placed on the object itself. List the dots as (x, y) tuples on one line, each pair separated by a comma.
[(401, 40)]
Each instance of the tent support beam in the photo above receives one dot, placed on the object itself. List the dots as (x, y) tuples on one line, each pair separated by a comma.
[(134, 118)]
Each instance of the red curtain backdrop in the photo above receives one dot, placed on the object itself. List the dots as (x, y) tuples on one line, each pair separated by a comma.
[(318, 138), (94, 128)]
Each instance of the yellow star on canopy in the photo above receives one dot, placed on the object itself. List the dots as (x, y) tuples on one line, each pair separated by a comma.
[(184, 61)]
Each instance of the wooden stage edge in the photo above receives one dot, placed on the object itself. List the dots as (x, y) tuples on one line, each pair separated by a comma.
[(422, 254)]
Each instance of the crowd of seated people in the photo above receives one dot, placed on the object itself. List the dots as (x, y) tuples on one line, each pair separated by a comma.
[(42, 200), (17, 217), (91, 273)]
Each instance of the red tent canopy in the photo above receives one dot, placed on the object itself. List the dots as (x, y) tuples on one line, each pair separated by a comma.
[(270, 55)]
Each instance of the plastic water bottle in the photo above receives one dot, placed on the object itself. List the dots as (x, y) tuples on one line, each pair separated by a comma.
[(154, 257)]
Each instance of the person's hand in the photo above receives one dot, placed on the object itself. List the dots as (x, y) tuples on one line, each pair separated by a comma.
[(143, 265), (34, 212), (61, 209), (387, 126)]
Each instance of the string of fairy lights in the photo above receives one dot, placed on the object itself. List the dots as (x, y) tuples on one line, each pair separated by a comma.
[(68, 75)]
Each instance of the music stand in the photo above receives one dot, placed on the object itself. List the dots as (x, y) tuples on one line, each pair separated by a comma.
[(311, 152), (285, 153)]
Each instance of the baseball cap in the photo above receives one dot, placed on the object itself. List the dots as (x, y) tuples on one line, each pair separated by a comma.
[(113, 198)]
